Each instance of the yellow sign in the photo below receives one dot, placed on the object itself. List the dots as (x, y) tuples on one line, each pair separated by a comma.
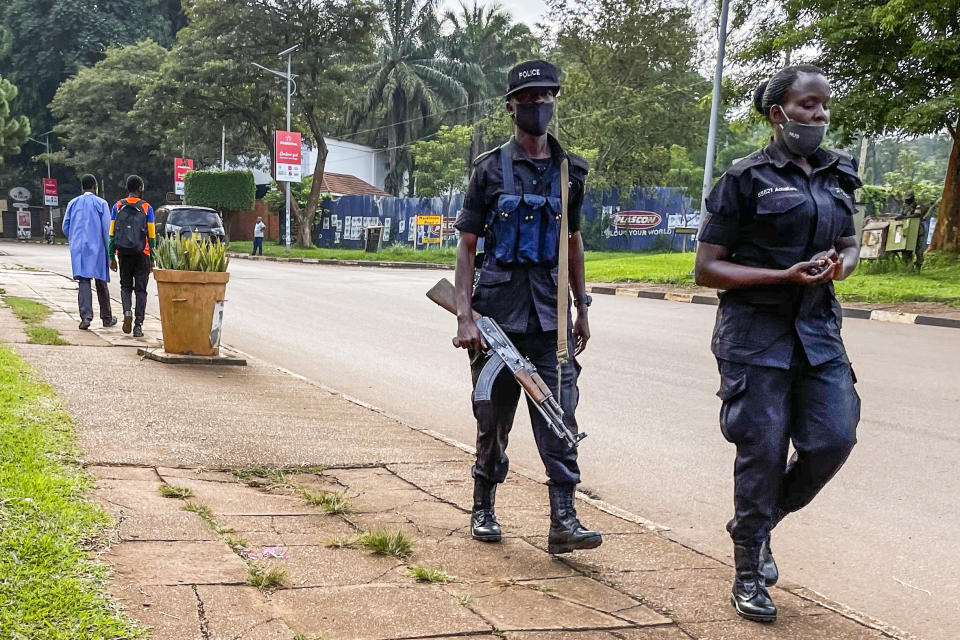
[(429, 240), (427, 220)]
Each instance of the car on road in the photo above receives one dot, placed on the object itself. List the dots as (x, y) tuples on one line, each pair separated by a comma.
[(188, 220)]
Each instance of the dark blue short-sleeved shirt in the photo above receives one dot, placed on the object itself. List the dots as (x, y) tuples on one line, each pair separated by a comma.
[(769, 213), (521, 298)]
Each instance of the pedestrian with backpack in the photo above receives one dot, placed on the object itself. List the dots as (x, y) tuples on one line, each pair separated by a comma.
[(133, 238)]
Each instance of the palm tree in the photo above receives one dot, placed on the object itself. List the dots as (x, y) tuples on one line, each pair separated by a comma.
[(411, 85), (488, 37)]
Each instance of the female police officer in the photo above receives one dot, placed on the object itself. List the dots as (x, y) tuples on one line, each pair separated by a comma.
[(779, 231)]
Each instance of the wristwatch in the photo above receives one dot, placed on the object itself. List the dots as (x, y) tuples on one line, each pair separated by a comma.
[(585, 301)]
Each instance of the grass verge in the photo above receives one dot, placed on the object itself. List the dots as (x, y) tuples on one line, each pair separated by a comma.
[(390, 253), (51, 586), (33, 314)]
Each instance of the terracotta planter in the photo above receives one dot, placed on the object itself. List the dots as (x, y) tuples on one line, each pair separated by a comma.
[(188, 301)]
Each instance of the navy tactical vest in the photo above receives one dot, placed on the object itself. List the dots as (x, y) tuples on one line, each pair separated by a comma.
[(525, 228)]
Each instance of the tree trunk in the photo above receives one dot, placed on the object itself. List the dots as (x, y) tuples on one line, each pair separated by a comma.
[(946, 237), (305, 233)]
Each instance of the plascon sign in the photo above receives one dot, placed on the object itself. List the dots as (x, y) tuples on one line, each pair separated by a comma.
[(628, 220)]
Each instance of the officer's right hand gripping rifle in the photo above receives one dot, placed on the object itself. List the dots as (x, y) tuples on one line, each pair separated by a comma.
[(501, 353)]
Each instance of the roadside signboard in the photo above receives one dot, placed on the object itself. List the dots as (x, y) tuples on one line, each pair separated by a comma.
[(19, 194), (24, 224), (289, 156), (180, 168), (428, 229), (50, 192)]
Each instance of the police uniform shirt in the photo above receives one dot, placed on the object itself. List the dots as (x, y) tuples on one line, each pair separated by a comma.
[(769, 213), (521, 298)]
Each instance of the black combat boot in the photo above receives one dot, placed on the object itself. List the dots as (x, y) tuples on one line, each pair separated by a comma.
[(768, 566), (566, 532), (483, 522), (750, 597)]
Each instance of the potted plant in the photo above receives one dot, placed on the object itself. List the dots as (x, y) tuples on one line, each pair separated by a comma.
[(191, 277)]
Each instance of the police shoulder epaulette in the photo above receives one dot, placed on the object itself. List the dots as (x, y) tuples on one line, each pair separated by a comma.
[(483, 156), (739, 165), (578, 161)]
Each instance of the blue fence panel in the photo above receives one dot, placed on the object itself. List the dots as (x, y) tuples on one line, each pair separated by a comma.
[(645, 221)]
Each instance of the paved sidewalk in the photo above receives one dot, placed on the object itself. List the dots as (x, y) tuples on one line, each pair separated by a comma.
[(225, 433)]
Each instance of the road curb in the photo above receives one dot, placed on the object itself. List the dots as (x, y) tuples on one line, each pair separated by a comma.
[(345, 263), (877, 315)]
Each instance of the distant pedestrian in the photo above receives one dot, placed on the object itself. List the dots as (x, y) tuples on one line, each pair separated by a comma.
[(258, 237), (86, 224), (133, 237), (780, 231)]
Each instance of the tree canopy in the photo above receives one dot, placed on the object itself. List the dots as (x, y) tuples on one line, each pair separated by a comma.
[(14, 129)]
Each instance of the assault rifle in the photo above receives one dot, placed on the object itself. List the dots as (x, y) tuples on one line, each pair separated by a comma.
[(501, 353)]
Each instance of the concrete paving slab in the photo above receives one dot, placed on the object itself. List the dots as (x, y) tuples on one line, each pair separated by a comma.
[(596, 595), (170, 473), (147, 474), (473, 561), (141, 513), (170, 612), (700, 595), (226, 499), (829, 626), (635, 552), (172, 563), (376, 612), (287, 530), (522, 608), (319, 566), (240, 612)]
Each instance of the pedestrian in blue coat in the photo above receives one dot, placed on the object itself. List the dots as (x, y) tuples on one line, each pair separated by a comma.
[(87, 225)]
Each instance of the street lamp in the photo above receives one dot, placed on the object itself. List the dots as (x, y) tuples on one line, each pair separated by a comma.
[(714, 112), (46, 152), (289, 77)]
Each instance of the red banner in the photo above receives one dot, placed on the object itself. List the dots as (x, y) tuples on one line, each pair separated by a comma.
[(288, 156), (50, 192), (180, 168)]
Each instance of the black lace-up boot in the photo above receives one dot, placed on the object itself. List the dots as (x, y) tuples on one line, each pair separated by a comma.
[(483, 522), (566, 532), (750, 597)]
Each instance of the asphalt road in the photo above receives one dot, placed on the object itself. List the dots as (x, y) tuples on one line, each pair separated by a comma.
[(881, 538)]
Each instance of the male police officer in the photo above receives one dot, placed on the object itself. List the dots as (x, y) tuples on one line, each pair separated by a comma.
[(514, 203)]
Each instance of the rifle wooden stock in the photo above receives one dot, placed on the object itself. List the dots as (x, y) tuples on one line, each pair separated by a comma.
[(533, 384), (444, 295)]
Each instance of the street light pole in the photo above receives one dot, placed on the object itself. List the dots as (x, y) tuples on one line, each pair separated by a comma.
[(288, 76), (714, 112), (46, 153)]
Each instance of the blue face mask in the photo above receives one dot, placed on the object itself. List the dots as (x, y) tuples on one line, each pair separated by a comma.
[(802, 139)]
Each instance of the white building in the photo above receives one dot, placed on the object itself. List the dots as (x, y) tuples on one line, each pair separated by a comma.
[(366, 163)]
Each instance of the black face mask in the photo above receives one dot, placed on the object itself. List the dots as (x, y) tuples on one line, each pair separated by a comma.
[(534, 117)]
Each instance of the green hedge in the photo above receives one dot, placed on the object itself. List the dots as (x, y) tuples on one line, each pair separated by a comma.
[(221, 190)]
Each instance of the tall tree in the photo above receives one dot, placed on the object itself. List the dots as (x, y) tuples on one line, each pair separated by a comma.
[(894, 67), (628, 96), (410, 85), (99, 130), (209, 77), (13, 129)]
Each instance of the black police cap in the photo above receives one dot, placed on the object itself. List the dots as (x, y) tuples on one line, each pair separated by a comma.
[(533, 73)]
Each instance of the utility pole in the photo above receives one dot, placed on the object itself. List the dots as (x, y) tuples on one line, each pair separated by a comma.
[(223, 147), (288, 76), (46, 153), (714, 111)]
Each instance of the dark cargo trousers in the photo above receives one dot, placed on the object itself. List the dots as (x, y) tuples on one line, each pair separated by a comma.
[(85, 299), (495, 418), (764, 409), (134, 274)]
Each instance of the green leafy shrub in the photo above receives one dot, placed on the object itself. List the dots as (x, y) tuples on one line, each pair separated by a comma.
[(190, 254), (221, 190)]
